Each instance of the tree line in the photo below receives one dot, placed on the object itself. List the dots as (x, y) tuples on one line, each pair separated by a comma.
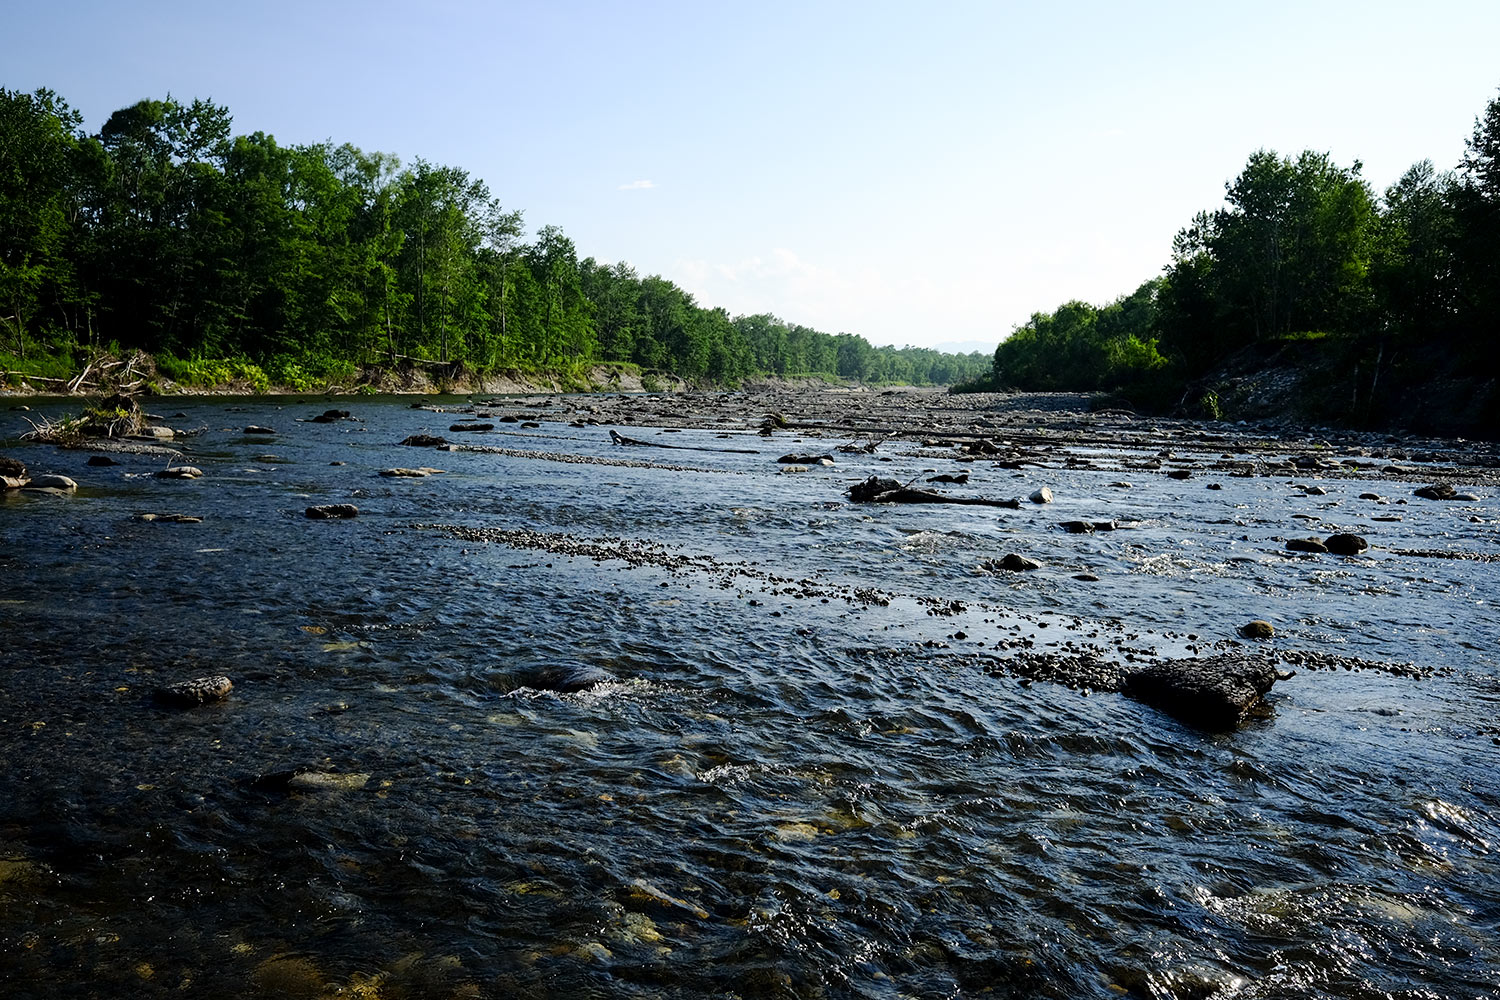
[(165, 232), (1407, 282)]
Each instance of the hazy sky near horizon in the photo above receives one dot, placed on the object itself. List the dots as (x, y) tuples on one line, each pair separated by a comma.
[(916, 175)]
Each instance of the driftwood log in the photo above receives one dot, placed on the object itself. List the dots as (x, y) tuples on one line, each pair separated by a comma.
[(621, 439), (877, 490)]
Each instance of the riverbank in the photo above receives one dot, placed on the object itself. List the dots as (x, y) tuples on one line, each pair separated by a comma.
[(137, 372)]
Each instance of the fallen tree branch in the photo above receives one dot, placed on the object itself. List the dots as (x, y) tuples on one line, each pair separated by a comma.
[(619, 438), (877, 490)]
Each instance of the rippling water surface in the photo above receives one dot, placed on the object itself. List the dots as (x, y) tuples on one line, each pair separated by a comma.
[(777, 791)]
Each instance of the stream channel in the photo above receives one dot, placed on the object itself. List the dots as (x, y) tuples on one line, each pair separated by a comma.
[(806, 770)]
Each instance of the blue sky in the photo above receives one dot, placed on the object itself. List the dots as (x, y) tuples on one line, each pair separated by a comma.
[(916, 175)]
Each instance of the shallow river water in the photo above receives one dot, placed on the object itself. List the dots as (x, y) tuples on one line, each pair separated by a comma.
[(807, 774)]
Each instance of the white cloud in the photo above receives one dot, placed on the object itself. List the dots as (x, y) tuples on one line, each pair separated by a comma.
[(636, 186)]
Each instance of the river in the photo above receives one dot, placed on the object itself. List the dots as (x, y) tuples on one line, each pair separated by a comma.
[(807, 771)]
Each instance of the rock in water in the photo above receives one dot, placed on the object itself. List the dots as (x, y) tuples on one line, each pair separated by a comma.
[(867, 491), (562, 677), (198, 691), (51, 483), (179, 472), (1257, 629), (101, 460), (256, 429), (1213, 693), (1305, 545), (1346, 544), (1437, 491), (1019, 563), (327, 511), (326, 781), (11, 469), (1043, 495), (424, 441)]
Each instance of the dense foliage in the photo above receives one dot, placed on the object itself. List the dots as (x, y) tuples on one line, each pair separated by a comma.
[(168, 233), (1302, 249)]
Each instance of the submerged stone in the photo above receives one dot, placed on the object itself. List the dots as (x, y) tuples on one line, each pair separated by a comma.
[(326, 781), (198, 691), (562, 677)]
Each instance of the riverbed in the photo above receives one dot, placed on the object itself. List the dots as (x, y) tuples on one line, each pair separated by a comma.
[(816, 761)]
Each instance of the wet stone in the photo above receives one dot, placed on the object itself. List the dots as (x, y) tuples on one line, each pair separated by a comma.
[(330, 511), (198, 691), (51, 483), (1213, 693), (1306, 545), (1257, 629), (1345, 544)]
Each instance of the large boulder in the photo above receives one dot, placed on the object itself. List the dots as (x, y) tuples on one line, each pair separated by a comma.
[(1215, 693)]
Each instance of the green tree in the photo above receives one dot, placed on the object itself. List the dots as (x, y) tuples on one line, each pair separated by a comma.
[(1293, 246), (38, 148), (1476, 200)]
